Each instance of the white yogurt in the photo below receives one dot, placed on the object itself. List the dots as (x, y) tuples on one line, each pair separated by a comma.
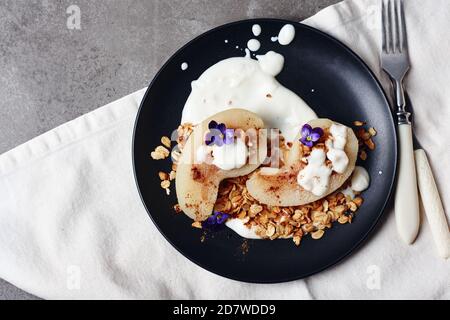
[(184, 66), (348, 192), (238, 226), (360, 179), (286, 35), (315, 176), (253, 45), (256, 29), (230, 156), (242, 82), (271, 63), (336, 153), (359, 182)]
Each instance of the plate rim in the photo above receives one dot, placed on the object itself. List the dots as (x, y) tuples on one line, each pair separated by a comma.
[(388, 199)]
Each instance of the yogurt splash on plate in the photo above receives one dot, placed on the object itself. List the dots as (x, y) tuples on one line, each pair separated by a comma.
[(256, 29), (253, 45), (242, 82), (286, 35)]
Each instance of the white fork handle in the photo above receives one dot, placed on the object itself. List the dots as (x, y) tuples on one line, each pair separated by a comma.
[(406, 197), (432, 204)]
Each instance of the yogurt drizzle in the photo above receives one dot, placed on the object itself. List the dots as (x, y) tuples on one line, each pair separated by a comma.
[(315, 177), (286, 35), (336, 153), (253, 45), (256, 29), (230, 156), (242, 82)]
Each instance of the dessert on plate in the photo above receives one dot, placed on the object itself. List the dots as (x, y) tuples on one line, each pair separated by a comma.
[(253, 156)]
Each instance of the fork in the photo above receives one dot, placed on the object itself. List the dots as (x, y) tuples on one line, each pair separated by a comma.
[(395, 62)]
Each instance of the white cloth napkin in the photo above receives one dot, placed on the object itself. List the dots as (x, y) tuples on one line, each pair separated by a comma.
[(72, 224)]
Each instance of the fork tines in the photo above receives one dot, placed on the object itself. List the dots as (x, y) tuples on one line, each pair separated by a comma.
[(393, 27)]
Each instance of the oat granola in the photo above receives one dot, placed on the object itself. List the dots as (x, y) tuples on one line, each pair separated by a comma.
[(273, 222)]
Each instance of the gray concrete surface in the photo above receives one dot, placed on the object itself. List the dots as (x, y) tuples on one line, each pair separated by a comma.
[(51, 74)]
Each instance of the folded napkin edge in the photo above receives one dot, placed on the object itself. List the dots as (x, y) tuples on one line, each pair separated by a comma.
[(71, 132)]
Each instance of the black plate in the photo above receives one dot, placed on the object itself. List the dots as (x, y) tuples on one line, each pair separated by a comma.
[(344, 90)]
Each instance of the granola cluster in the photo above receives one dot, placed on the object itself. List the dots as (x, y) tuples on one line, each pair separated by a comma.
[(273, 222), (364, 138), (162, 152)]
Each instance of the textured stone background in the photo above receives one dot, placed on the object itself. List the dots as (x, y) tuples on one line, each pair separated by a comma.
[(50, 74)]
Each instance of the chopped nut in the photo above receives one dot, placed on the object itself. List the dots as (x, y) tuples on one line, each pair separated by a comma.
[(343, 219), (166, 141), (372, 132), (288, 230), (255, 208), (297, 215), (163, 175), (358, 201), (177, 208), (157, 156), (317, 215), (279, 229), (263, 219), (165, 184), (160, 153), (197, 224), (317, 235), (309, 227), (353, 207), (270, 230), (369, 143), (163, 150), (358, 123), (327, 220), (339, 209), (297, 240), (172, 175), (325, 205)]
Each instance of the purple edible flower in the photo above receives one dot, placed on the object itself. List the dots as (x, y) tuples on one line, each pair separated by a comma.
[(310, 136), (217, 219), (218, 134)]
